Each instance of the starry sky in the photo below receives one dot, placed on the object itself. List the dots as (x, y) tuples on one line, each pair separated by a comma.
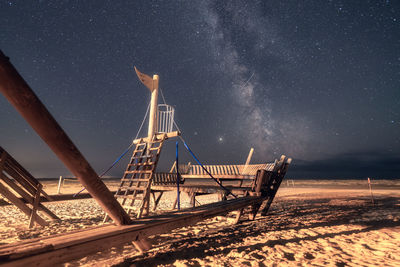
[(318, 81)]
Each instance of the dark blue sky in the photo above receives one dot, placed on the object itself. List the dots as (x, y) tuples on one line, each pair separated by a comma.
[(316, 80)]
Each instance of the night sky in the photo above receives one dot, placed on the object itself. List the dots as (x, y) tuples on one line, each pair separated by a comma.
[(318, 81)]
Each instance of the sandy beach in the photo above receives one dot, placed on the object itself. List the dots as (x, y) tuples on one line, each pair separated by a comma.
[(311, 223)]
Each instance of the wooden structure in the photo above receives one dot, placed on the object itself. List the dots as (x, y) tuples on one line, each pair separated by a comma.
[(267, 186), (25, 101), (136, 182), (195, 181), (64, 247), (135, 185), (19, 187)]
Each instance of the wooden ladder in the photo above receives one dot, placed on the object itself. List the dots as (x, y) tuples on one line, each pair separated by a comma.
[(136, 182)]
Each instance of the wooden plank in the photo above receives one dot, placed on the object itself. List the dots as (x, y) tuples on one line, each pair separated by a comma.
[(2, 159), (20, 204), (27, 198), (25, 195), (158, 136), (35, 205), (17, 177), (219, 176)]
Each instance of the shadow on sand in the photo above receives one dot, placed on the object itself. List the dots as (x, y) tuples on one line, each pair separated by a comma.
[(284, 215)]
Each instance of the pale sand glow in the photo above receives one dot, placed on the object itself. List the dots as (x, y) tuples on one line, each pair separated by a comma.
[(315, 223)]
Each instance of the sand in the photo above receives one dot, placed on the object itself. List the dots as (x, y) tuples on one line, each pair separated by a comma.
[(314, 223)]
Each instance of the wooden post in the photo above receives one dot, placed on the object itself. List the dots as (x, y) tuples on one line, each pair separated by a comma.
[(152, 85), (248, 160), (153, 109), (142, 244), (25, 101), (59, 184), (249, 156), (261, 179), (35, 205), (370, 190)]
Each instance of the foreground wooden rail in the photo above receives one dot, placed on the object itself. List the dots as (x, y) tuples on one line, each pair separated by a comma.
[(65, 247)]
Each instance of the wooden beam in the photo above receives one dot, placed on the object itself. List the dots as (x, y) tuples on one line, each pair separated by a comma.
[(35, 205), (158, 136), (25, 101)]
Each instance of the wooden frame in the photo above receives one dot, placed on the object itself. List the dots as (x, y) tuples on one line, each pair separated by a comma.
[(14, 181)]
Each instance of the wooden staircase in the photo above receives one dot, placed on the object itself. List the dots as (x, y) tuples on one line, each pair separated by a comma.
[(134, 189)]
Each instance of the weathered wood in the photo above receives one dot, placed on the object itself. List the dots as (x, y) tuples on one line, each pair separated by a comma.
[(158, 136), (23, 184), (20, 204), (136, 181), (260, 182), (227, 171), (142, 245), (35, 205), (157, 200), (21, 96), (273, 184), (65, 247)]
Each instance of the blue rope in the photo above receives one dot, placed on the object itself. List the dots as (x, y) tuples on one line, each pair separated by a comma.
[(112, 165), (190, 151)]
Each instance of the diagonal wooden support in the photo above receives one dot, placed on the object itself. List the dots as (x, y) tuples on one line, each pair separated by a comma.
[(142, 244), (25, 101), (35, 205)]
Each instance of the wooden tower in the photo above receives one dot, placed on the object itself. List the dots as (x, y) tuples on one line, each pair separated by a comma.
[(134, 189)]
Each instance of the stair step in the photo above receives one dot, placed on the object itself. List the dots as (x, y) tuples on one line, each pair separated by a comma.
[(135, 180), (140, 197), (142, 157), (130, 207), (140, 171), (131, 188), (141, 164)]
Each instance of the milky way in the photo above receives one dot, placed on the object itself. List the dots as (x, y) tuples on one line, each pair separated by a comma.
[(316, 80)]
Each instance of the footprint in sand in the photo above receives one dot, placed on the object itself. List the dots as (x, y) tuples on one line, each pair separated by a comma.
[(289, 256), (308, 256)]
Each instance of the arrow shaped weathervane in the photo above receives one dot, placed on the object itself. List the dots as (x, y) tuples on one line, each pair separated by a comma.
[(145, 79)]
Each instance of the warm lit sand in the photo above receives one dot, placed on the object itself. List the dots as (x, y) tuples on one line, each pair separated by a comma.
[(321, 223)]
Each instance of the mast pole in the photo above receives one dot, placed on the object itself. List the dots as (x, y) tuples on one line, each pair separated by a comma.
[(153, 108)]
